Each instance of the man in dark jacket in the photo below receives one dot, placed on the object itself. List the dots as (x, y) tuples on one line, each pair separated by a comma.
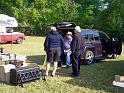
[(76, 48), (53, 44)]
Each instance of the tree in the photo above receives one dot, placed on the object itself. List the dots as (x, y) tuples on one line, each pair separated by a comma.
[(105, 15), (112, 17)]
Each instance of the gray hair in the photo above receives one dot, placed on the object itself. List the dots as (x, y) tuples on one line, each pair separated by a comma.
[(53, 28), (78, 29)]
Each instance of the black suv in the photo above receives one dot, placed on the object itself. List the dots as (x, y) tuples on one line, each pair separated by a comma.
[(97, 45)]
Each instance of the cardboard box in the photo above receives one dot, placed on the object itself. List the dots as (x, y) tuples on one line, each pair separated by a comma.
[(119, 78), (5, 72)]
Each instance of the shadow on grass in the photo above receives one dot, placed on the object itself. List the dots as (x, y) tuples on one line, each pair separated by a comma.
[(98, 76), (39, 59), (7, 83)]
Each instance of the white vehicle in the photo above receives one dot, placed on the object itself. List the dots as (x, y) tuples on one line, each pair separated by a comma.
[(6, 30)]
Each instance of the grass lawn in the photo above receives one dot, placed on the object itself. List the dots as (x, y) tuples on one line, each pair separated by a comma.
[(95, 78)]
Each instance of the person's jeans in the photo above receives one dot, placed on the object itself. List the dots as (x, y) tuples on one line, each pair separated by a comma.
[(68, 57)]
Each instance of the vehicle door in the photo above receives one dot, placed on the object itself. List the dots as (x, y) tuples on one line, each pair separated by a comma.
[(97, 43), (115, 42), (8, 36)]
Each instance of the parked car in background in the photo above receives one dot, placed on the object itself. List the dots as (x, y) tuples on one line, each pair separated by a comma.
[(7, 35), (97, 44)]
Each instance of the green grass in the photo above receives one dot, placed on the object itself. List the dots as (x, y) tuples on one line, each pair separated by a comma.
[(95, 78)]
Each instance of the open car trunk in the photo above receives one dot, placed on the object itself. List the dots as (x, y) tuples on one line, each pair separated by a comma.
[(64, 27)]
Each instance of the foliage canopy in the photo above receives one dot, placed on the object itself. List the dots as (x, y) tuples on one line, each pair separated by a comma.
[(105, 15)]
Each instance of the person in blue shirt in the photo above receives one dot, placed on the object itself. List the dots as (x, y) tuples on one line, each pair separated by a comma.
[(53, 45)]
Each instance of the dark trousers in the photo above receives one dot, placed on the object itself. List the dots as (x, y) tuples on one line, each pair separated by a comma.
[(76, 63)]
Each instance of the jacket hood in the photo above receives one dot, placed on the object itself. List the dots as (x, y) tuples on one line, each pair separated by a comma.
[(54, 32)]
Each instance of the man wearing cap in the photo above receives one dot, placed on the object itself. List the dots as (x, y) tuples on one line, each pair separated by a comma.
[(53, 44), (76, 48)]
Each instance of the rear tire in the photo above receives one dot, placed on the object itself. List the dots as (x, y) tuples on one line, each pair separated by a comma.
[(19, 40), (89, 57)]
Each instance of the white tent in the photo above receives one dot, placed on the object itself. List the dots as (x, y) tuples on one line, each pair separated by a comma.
[(11, 20)]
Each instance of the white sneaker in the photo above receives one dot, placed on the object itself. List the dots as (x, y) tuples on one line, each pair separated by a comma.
[(46, 74), (63, 65)]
